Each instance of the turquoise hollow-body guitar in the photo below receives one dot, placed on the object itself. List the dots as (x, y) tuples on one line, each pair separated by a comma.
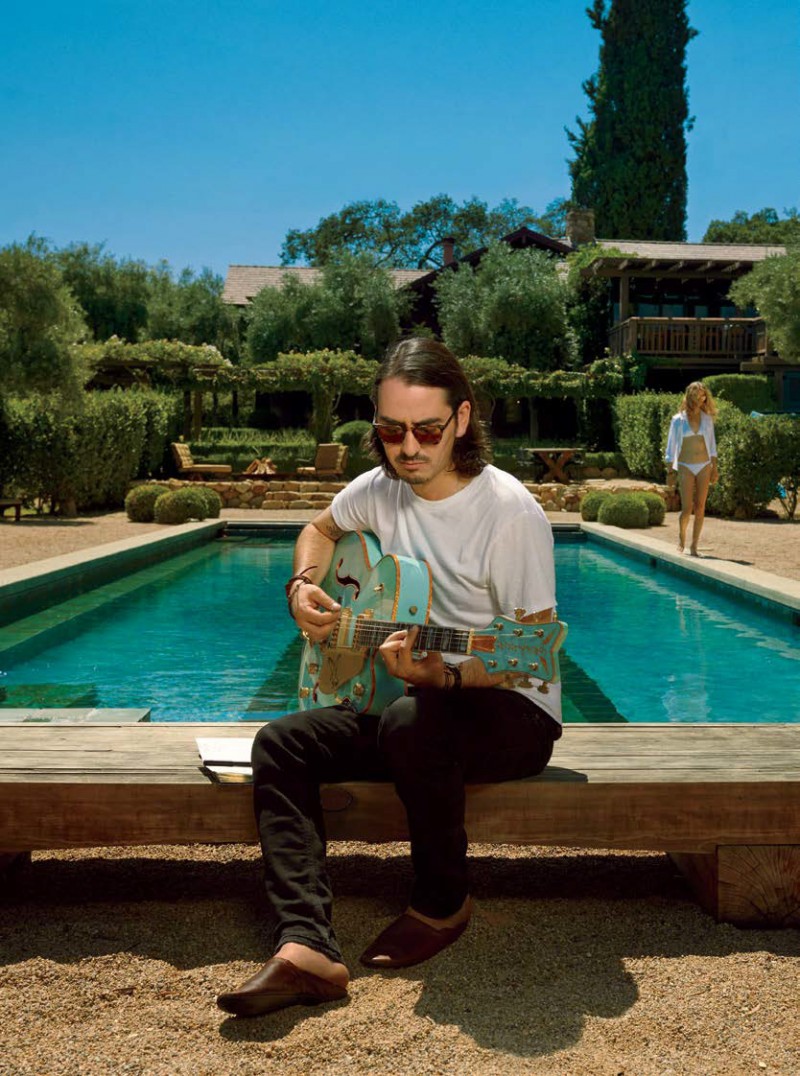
[(380, 594)]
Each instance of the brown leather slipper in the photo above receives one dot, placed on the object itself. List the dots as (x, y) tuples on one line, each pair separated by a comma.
[(278, 985), (409, 941)]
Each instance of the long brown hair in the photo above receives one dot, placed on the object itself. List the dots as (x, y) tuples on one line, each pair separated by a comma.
[(421, 361)]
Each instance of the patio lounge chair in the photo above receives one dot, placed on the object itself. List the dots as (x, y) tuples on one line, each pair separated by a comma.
[(196, 469), (329, 462)]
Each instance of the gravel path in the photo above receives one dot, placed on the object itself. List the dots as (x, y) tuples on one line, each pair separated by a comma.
[(772, 545), (577, 962)]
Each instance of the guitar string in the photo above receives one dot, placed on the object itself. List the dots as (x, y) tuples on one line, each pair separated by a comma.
[(371, 633)]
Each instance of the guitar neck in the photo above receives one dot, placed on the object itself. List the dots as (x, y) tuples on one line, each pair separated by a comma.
[(373, 633)]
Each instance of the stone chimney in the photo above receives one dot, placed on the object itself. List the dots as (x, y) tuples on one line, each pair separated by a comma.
[(580, 226), (448, 250)]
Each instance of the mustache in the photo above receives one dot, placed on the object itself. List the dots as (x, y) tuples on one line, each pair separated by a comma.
[(416, 458)]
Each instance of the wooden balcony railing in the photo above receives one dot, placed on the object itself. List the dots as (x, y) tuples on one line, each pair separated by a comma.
[(712, 339)]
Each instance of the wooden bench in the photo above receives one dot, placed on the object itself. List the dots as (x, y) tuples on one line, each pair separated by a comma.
[(722, 800), (11, 502)]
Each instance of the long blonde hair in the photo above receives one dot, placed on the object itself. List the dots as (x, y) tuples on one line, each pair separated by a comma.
[(708, 405)]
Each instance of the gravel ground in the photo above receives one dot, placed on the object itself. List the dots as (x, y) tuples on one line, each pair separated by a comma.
[(772, 545), (576, 962)]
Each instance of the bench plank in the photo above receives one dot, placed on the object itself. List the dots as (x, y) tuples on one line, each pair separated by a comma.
[(724, 800)]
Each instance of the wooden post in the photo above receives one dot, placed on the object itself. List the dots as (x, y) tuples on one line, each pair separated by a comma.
[(197, 414), (624, 297), (749, 885), (186, 430)]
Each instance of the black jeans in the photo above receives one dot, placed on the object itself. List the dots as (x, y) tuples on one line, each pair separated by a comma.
[(429, 744)]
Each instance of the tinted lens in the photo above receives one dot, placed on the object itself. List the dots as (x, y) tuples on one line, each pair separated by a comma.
[(423, 435), (427, 435), (395, 435), (390, 435)]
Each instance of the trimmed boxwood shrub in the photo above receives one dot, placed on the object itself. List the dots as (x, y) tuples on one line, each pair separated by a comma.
[(212, 499), (624, 510), (352, 433), (590, 505), (655, 507), (179, 506), (141, 501)]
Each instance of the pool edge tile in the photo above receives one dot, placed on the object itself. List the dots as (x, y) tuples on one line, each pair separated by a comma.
[(777, 589)]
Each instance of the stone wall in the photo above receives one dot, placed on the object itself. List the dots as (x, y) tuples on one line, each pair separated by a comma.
[(553, 497), (256, 493)]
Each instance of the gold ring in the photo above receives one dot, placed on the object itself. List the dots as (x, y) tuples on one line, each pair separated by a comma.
[(306, 636)]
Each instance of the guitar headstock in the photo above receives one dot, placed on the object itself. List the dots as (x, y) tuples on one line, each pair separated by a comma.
[(527, 649)]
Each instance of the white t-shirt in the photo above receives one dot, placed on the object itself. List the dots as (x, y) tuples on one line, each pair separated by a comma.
[(489, 547)]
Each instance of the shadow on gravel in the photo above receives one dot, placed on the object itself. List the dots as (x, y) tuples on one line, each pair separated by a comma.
[(548, 944)]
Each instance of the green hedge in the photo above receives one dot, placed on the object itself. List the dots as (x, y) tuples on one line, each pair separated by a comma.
[(747, 392), (642, 423), (85, 455), (755, 455), (241, 446)]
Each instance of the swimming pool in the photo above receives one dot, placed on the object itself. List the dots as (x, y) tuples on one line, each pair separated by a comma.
[(204, 636)]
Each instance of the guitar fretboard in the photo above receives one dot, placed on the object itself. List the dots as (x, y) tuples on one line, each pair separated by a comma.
[(372, 633)]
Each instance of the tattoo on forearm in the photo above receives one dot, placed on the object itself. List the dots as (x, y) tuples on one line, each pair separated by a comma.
[(328, 529)]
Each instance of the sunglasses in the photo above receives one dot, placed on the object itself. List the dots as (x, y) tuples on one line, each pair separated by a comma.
[(427, 433)]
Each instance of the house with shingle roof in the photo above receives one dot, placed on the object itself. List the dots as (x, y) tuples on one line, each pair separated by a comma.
[(668, 301), (244, 282)]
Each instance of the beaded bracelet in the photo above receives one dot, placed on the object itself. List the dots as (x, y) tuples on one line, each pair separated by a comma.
[(299, 579)]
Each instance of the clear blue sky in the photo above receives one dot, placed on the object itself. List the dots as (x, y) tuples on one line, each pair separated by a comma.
[(202, 132)]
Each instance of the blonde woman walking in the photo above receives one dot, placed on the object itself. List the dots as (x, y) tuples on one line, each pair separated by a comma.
[(692, 452)]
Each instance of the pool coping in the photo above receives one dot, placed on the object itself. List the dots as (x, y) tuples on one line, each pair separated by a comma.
[(23, 576), (18, 580), (777, 589)]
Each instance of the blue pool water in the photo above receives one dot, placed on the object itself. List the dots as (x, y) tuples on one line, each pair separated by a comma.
[(205, 637)]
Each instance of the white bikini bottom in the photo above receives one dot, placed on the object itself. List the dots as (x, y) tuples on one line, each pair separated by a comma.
[(695, 468)]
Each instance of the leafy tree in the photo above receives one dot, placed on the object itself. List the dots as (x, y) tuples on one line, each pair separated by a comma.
[(764, 226), (353, 307), (773, 287), (112, 293), (39, 321), (190, 309), (412, 240), (630, 157), (513, 305)]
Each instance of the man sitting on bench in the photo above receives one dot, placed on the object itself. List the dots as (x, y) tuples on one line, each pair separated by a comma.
[(489, 547)]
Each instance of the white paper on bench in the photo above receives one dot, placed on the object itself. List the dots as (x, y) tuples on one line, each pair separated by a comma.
[(228, 758)]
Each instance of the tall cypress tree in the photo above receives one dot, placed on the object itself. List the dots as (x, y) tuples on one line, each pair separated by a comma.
[(630, 163)]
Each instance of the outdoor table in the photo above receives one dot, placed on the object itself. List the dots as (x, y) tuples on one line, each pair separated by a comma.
[(555, 460), (11, 502)]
